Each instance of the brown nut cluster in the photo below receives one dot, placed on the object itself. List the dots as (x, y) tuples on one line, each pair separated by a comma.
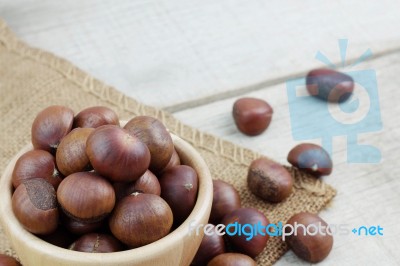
[(87, 185)]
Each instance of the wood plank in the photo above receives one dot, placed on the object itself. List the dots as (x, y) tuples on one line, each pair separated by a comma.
[(176, 54), (367, 193)]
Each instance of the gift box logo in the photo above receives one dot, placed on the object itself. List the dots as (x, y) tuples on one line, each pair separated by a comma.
[(312, 118)]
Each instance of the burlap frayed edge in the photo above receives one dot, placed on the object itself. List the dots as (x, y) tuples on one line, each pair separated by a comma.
[(195, 137)]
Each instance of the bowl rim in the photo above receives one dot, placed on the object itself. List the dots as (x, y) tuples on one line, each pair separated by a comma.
[(202, 209)]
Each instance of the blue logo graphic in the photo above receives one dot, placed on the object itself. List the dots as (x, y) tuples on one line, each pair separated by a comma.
[(312, 118)]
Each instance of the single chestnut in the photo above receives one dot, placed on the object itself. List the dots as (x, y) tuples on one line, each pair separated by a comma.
[(329, 85), (50, 126), (232, 259), (78, 227), (36, 164), (86, 196), (96, 243), (312, 241), (175, 160), (252, 116), (93, 117), (179, 189), (140, 219), (71, 154), (147, 183), (157, 138), (211, 246), (60, 238), (34, 204), (269, 180), (249, 241), (311, 158), (6, 260), (225, 200), (117, 155)]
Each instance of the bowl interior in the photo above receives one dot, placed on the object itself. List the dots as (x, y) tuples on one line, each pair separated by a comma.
[(177, 248)]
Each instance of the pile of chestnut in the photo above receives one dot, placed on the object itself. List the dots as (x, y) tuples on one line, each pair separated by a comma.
[(92, 186)]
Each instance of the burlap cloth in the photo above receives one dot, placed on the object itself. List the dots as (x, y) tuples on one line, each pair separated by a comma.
[(31, 79)]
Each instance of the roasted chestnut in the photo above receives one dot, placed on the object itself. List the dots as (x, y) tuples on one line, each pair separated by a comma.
[(35, 205), (249, 241), (36, 164), (232, 259), (71, 152), (50, 126), (140, 219), (96, 116), (96, 243), (225, 200), (311, 158), (269, 180), (117, 155), (157, 138), (8, 261), (179, 189), (251, 115), (86, 197), (312, 241), (212, 245)]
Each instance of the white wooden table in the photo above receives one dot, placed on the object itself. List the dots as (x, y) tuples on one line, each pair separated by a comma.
[(194, 58)]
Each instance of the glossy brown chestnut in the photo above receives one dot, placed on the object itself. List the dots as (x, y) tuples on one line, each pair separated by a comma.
[(8, 261), (97, 243), (246, 245), (175, 160), (329, 85), (117, 155), (269, 180), (86, 196), (60, 238), (50, 126), (71, 152), (211, 246), (157, 138), (36, 164), (148, 183), (140, 219), (35, 205), (96, 116), (311, 158), (232, 259), (78, 227), (225, 200), (316, 244), (251, 115), (179, 189)]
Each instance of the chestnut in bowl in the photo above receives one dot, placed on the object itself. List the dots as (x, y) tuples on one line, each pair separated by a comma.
[(177, 248)]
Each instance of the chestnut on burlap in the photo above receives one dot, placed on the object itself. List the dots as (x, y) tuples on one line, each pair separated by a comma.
[(31, 79)]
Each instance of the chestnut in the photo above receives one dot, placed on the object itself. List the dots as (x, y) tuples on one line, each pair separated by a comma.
[(248, 242), (71, 152), (179, 189), (147, 183), (329, 85), (6, 260), (232, 259), (78, 227), (96, 116), (117, 155), (50, 126), (269, 180), (35, 205), (311, 158), (313, 245), (86, 197), (96, 243), (36, 164), (211, 246), (225, 200), (175, 160), (140, 219), (252, 116), (157, 138)]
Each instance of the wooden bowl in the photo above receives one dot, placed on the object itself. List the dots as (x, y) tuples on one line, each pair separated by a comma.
[(177, 248)]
